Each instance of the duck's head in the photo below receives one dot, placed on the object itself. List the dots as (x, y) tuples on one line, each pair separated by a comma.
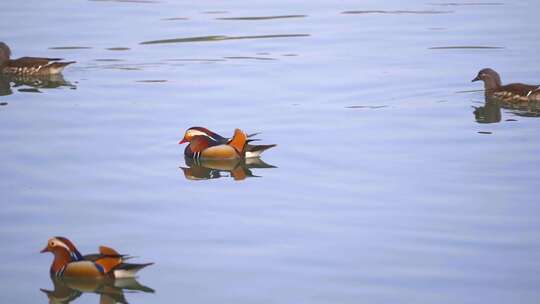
[(5, 52), (491, 79), (198, 131), (61, 244)]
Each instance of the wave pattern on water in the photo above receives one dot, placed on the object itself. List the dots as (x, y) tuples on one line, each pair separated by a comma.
[(397, 12), (262, 17), (466, 47), (467, 3), (221, 38)]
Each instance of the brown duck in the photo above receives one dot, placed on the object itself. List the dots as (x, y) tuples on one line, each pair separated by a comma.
[(510, 93), (29, 65)]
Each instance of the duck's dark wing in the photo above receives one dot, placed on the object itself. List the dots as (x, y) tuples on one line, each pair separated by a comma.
[(96, 256), (33, 61), (36, 65)]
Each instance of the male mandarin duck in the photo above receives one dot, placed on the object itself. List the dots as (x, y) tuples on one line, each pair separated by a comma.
[(510, 93), (29, 65), (205, 144), (68, 261)]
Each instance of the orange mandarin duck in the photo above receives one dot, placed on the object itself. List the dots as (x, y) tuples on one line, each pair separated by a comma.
[(68, 262), (205, 144)]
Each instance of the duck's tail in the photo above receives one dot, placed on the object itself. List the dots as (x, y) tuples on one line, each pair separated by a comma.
[(253, 151), (58, 67), (128, 270)]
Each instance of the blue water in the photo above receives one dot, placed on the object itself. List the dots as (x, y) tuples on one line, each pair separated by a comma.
[(385, 189)]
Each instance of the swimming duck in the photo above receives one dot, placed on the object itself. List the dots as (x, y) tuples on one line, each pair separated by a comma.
[(206, 144), (510, 93), (68, 261), (29, 65)]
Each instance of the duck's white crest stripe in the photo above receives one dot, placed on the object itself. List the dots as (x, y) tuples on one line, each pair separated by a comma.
[(197, 132)]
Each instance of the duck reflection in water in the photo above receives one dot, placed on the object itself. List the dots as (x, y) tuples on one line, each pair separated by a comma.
[(238, 169), (491, 111), (110, 290), (32, 83)]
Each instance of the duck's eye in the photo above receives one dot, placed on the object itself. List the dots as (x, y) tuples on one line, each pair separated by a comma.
[(52, 244)]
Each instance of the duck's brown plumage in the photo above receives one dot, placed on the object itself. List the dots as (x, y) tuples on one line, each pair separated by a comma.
[(29, 65), (510, 93)]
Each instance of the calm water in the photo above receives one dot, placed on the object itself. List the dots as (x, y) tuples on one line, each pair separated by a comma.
[(384, 187)]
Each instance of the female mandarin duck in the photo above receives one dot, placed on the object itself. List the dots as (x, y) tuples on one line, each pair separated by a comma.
[(68, 261), (205, 144), (29, 65), (510, 93)]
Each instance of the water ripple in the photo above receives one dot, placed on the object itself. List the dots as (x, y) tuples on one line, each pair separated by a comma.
[(220, 38), (398, 12), (262, 17)]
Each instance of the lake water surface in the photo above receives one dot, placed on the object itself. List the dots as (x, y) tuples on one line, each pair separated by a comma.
[(384, 187)]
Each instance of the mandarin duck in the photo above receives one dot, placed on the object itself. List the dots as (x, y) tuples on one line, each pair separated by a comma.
[(205, 144), (109, 290), (510, 93), (68, 261), (29, 65), (238, 169)]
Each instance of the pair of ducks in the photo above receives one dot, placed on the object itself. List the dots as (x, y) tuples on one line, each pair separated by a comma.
[(515, 92)]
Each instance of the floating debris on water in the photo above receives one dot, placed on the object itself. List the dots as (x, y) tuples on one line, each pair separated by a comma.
[(468, 91)]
